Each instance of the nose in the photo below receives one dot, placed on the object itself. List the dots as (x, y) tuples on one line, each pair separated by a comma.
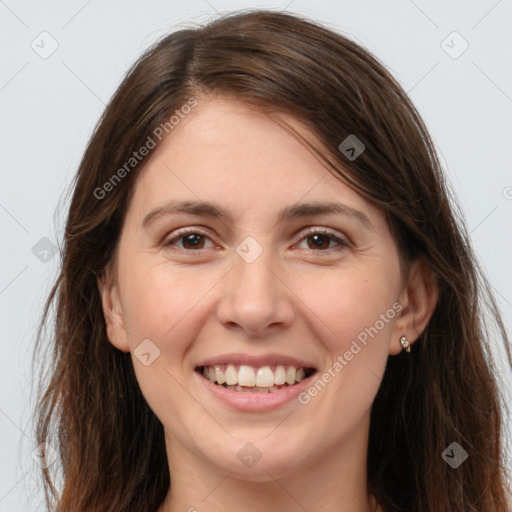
[(255, 298)]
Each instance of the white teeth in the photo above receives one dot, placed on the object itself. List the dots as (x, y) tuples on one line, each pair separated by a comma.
[(249, 390), (280, 376), (290, 375), (247, 378), (231, 375), (264, 377), (219, 376)]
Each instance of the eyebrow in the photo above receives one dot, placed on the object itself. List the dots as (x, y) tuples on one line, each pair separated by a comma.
[(214, 211)]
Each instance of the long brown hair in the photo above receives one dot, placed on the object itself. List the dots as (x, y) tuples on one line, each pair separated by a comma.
[(111, 445)]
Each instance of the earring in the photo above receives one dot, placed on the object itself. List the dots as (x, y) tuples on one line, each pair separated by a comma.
[(405, 344)]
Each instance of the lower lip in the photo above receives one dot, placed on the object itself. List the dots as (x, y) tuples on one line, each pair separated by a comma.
[(255, 401)]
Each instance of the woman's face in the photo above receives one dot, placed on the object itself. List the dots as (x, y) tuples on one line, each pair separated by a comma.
[(241, 251)]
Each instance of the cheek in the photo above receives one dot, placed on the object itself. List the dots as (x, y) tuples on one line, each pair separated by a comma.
[(355, 305), (360, 313), (151, 296), (162, 302)]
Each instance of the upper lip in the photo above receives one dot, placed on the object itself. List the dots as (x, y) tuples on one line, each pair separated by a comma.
[(256, 361)]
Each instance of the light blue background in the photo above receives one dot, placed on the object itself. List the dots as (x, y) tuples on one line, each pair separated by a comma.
[(49, 107)]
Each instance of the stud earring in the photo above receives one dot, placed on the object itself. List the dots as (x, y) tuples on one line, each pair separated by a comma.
[(405, 344)]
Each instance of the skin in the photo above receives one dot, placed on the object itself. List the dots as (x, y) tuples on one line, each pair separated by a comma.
[(297, 299)]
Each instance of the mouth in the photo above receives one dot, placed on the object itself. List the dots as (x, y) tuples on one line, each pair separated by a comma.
[(250, 379)]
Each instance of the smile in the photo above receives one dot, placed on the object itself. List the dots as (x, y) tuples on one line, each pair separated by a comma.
[(248, 379)]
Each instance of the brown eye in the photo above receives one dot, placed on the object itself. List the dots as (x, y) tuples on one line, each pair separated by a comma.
[(319, 240), (188, 241), (193, 241)]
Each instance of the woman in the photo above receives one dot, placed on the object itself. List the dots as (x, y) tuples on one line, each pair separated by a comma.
[(267, 300)]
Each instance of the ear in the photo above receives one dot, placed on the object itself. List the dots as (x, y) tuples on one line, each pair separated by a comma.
[(113, 313), (418, 300)]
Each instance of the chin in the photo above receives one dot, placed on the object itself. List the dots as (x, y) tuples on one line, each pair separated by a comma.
[(258, 462)]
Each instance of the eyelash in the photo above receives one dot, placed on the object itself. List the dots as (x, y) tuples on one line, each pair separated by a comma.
[(342, 243)]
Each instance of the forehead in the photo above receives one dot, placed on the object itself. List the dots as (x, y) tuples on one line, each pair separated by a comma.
[(227, 151)]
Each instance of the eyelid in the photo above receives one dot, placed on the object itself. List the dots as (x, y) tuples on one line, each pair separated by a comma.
[(340, 239), (181, 232)]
